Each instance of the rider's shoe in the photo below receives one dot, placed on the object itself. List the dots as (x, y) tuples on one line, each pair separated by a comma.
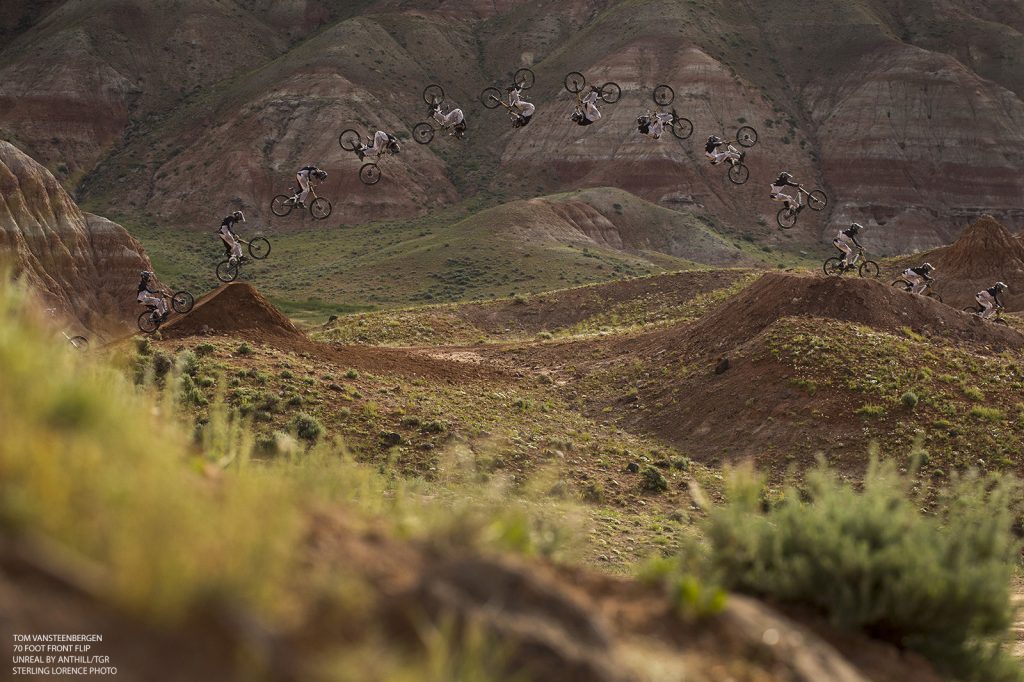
[(163, 317), (800, 208)]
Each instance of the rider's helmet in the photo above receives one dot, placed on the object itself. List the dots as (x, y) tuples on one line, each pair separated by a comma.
[(393, 146), (785, 175), (237, 215), (146, 274), (1001, 286), (856, 227), (576, 117), (714, 138), (321, 174), (927, 267)]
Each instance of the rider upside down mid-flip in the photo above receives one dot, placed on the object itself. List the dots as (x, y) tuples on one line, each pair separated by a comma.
[(715, 156), (522, 111), (653, 124), (587, 112), (382, 142), (454, 120)]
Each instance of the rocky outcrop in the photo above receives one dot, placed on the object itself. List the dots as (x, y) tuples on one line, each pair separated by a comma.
[(85, 266)]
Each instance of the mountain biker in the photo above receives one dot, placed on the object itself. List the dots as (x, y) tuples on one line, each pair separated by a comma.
[(716, 157), (587, 113), (522, 110), (454, 120), (783, 181), (382, 142), (148, 296), (845, 241), (919, 277), (303, 176), (652, 124), (989, 299), (227, 235)]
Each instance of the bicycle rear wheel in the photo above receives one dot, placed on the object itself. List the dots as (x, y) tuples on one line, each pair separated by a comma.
[(663, 95), (817, 200), (433, 94), (524, 78), (746, 136), (903, 284), (423, 133), (869, 268), (935, 295), (491, 98), (281, 205), (259, 248), (682, 128), (610, 93), (739, 173), (182, 302), (320, 208), (227, 270), (574, 82), (786, 218), (833, 267), (148, 322), (350, 140)]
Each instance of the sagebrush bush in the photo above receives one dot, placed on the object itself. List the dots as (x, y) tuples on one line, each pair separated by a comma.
[(307, 427), (872, 561)]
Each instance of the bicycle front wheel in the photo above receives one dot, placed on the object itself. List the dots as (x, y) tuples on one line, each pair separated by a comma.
[(227, 270), (973, 310), (786, 218), (903, 284), (320, 208), (281, 205), (935, 295), (182, 302), (574, 82), (259, 248), (524, 78), (746, 136), (817, 200), (999, 320), (739, 173), (663, 95), (610, 93), (423, 133), (370, 174), (682, 128), (491, 98), (79, 342), (433, 94), (869, 268)]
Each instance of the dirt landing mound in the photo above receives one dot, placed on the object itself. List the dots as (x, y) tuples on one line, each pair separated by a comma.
[(985, 253), (233, 308), (851, 299)]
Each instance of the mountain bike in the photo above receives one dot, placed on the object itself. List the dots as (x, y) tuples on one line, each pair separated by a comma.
[(181, 303), (370, 172), (282, 204), (609, 93), (816, 201), (228, 269), (424, 132), (680, 126), (909, 288), (833, 267), (78, 342), (995, 319), (491, 97)]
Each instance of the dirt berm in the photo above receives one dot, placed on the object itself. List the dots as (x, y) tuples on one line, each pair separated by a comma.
[(870, 302), (230, 309)]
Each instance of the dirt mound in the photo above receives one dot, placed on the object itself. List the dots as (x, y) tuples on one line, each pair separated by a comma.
[(985, 253), (236, 307), (851, 299)]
